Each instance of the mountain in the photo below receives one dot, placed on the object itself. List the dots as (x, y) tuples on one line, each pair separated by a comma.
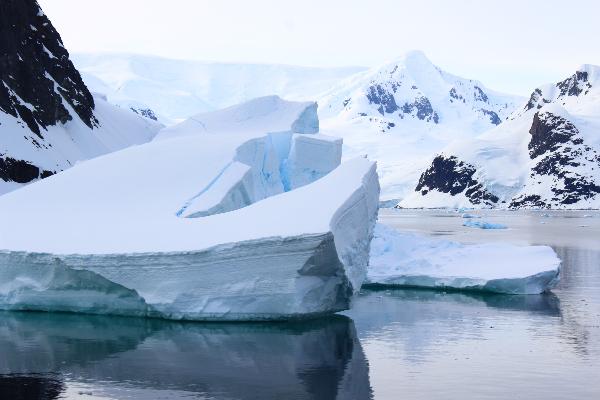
[(403, 112), (175, 90), (49, 120), (546, 156)]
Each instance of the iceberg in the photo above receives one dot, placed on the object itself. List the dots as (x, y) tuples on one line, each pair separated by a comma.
[(403, 259), (198, 224)]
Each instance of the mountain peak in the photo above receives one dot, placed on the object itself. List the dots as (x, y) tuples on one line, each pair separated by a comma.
[(593, 71), (414, 60)]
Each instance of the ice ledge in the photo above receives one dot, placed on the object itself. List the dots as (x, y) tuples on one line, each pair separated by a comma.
[(401, 259)]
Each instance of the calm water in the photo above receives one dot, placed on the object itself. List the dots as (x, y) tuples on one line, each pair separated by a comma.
[(409, 344)]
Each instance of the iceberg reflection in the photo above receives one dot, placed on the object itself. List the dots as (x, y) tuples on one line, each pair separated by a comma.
[(142, 358)]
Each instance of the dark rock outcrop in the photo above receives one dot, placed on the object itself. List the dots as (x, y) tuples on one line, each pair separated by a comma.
[(145, 112), (576, 85), (422, 109), (564, 162), (494, 118), (452, 176), (380, 96), (40, 86)]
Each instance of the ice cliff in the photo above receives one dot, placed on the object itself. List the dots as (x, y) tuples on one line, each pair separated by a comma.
[(276, 227)]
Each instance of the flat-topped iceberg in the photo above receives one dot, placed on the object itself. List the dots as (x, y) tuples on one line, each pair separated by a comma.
[(202, 225), (403, 259)]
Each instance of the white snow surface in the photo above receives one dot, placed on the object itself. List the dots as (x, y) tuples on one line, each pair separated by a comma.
[(65, 145), (404, 259), (112, 225), (178, 89)]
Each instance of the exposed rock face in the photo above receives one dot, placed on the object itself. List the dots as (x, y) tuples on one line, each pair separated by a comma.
[(576, 85), (565, 169), (380, 96), (145, 112), (40, 86), (20, 171), (548, 131), (36, 73), (547, 155), (494, 118), (452, 176), (422, 109)]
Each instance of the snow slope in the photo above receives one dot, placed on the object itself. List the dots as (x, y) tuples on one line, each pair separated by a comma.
[(48, 119), (546, 156), (177, 89), (402, 259), (113, 227), (403, 112)]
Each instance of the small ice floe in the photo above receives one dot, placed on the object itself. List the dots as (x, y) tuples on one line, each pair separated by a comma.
[(469, 216), (409, 260), (483, 225)]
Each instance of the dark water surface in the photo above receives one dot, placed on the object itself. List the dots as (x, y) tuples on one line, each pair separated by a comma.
[(394, 344)]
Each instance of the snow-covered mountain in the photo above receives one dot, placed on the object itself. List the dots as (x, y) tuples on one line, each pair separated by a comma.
[(174, 90), (546, 156), (403, 112), (48, 118)]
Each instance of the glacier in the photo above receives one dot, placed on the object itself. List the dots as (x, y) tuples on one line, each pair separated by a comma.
[(408, 260), (223, 217)]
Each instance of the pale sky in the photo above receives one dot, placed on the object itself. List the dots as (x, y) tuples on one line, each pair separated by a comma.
[(510, 45)]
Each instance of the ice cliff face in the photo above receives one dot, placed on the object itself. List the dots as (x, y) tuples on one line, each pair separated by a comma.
[(276, 228), (545, 156), (48, 118)]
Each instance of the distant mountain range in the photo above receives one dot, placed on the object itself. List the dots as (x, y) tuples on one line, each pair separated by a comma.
[(400, 113), (440, 140), (547, 155)]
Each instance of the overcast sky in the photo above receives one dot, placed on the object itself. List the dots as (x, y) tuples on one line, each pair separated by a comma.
[(510, 45)]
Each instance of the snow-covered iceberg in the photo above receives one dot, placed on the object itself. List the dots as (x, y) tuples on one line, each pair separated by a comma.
[(111, 234), (403, 259)]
